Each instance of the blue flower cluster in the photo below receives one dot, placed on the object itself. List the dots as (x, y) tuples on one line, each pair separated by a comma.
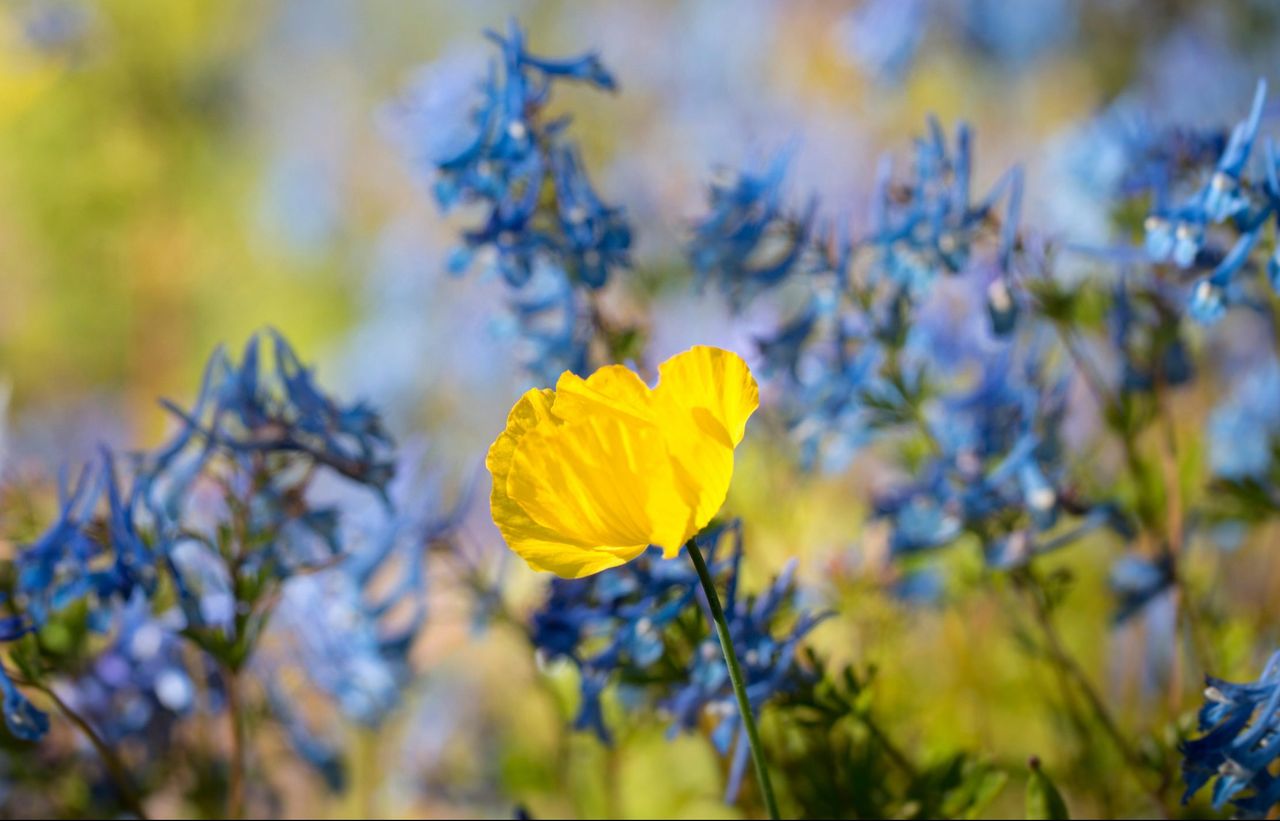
[(228, 494), (842, 356), (140, 685), (1239, 744), (749, 242), (640, 626), (552, 237), (912, 330), (1179, 228), (344, 633), (272, 504), (91, 560)]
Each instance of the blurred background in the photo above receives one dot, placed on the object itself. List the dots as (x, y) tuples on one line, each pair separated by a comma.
[(175, 176)]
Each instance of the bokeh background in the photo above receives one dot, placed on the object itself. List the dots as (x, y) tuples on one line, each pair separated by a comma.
[(174, 176)]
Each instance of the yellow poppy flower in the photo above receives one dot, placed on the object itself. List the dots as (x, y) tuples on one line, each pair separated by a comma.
[(588, 475)]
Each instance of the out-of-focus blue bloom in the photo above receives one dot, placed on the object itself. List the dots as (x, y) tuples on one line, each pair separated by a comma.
[(836, 359), (549, 320), (1124, 155), (997, 473), (883, 37), (1017, 34), (516, 161), (277, 408), (551, 235), (20, 715), (922, 587), (223, 507), (922, 516), (930, 223), (60, 26), (345, 633), (1180, 232), (231, 487), (1137, 581), (348, 629), (749, 241), (139, 685), (1242, 428), (620, 627), (1239, 745), (92, 551)]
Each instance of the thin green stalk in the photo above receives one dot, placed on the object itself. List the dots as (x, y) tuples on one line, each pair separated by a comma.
[(735, 678), (237, 772)]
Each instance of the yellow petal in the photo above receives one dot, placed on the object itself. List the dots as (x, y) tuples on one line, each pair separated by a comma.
[(600, 481), (541, 547), (571, 561), (613, 390), (704, 398), (715, 385)]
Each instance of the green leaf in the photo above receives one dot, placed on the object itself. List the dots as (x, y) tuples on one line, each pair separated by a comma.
[(1044, 802)]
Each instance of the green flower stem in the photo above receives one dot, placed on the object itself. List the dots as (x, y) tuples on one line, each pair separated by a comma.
[(735, 677)]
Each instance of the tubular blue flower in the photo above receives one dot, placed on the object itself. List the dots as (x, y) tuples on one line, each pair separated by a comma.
[(836, 358), (639, 626), (20, 715), (883, 37), (92, 551), (749, 241), (552, 237), (1185, 233), (1238, 745), (346, 631), (240, 467)]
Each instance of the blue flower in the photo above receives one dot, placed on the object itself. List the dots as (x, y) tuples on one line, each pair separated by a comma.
[(1239, 743), (642, 627), (769, 663), (139, 685), (348, 629), (749, 241), (551, 235), (93, 551), (233, 482), (1137, 581), (883, 37), (344, 634), (849, 361), (1241, 428), (515, 161), (1180, 232), (20, 715)]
